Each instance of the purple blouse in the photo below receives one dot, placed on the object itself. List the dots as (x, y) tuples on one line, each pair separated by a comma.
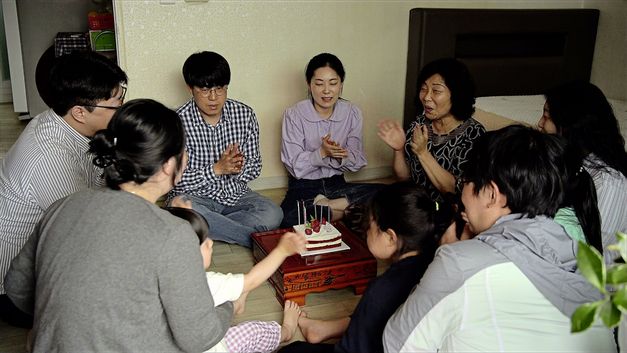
[(303, 129)]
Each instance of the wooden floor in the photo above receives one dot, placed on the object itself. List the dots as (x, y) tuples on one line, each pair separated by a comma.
[(261, 304), (10, 127)]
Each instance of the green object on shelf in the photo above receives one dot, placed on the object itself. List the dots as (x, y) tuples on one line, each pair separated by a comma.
[(102, 40)]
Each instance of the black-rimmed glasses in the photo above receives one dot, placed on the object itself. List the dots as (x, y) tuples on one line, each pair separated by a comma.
[(101, 106), (217, 90), (123, 87), (121, 99)]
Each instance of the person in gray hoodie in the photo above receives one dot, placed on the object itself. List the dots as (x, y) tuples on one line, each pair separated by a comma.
[(514, 287)]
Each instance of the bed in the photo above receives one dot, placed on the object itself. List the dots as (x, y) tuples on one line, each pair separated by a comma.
[(513, 55)]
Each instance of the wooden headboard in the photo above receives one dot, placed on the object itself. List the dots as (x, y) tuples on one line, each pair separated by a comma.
[(508, 52)]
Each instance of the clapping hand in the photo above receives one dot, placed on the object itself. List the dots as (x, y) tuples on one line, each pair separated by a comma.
[(391, 133), (332, 149), (419, 139), (231, 161), (291, 243)]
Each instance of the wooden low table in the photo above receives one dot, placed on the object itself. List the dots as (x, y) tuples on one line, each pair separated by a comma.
[(299, 276)]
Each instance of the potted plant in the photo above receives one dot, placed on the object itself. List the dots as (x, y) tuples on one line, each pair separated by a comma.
[(614, 302)]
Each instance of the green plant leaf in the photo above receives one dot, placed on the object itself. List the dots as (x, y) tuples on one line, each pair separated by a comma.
[(620, 299), (591, 265), (610, 314), (622, 244), (584, 316), (617, 274)]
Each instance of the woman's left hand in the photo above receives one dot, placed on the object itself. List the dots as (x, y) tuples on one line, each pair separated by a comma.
[(333, 149), (419, 140)]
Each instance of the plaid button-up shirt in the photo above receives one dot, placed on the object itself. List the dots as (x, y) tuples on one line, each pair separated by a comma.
[(206, 144)]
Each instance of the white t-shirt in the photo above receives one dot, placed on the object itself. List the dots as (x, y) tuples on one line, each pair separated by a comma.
[(225, 287)]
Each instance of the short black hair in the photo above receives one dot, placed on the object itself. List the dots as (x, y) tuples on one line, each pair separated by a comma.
[(537, 175), (83, 78), (525, 164), (458, 80), (141, 136), (324, 60), (418, 221), (206, 69), (199, 223)]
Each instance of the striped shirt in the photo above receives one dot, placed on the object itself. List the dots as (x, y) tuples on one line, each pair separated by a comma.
[(611, 187), (205, 145), (47, 162)]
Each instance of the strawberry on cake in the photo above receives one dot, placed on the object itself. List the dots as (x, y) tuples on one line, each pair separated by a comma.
[(319, 233)]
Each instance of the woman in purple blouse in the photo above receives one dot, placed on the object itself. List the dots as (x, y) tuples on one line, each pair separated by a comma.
[(321, 141)]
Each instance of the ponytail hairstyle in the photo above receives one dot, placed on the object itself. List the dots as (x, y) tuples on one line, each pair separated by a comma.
[(537, 173), (581, 195), (142, 135), (198, 222), (418, 221)]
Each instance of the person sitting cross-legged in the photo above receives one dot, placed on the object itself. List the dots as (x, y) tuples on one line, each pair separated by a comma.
[(223, 146)]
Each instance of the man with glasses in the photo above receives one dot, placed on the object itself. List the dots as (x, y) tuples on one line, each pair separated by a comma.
[(49, 160), (223, 146)]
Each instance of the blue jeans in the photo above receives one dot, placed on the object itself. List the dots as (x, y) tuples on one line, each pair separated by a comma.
[(334, 187), (234, 224)]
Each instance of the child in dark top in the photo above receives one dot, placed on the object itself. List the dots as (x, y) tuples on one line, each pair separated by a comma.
[(405, 227)]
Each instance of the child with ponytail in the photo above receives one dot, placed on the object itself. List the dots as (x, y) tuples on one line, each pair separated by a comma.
[(404, 227)]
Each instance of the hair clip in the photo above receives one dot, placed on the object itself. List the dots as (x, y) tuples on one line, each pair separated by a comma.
[(437, 206), (115, 141), (579, 171)]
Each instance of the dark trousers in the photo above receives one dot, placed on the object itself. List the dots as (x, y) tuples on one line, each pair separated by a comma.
[(13, 316), (334, 187)]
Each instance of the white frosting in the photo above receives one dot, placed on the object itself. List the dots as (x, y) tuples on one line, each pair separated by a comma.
[(327, 232)]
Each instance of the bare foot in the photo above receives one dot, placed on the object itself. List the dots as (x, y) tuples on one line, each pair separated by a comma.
[(291, 313), (312, 329)]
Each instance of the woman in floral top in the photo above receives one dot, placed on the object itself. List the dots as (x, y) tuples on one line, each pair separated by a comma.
[(435, 148)]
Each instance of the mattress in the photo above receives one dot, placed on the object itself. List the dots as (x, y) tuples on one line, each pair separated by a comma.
[(499, 111)]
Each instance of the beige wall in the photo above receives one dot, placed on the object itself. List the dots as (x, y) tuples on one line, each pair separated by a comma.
[(268, 44), (609, 69)]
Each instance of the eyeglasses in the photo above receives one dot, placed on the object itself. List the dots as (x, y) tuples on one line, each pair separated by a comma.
[(217, 90), (101, 106), (123, 87), (121, 99)]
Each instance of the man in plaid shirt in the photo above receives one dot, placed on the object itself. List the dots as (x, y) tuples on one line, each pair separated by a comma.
[(223, 146)]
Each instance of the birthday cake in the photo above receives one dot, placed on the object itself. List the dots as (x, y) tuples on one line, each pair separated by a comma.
[(320, 233)]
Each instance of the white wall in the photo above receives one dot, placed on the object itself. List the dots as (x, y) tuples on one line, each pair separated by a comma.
[(609, 69), (268, 44)]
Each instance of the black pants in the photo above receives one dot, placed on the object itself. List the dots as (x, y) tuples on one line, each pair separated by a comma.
[(13, 316), (333, 187)]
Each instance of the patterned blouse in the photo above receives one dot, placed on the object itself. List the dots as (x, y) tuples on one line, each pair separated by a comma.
[(450, 150)]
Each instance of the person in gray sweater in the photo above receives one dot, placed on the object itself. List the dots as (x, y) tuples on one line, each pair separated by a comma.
[(108, 270)]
